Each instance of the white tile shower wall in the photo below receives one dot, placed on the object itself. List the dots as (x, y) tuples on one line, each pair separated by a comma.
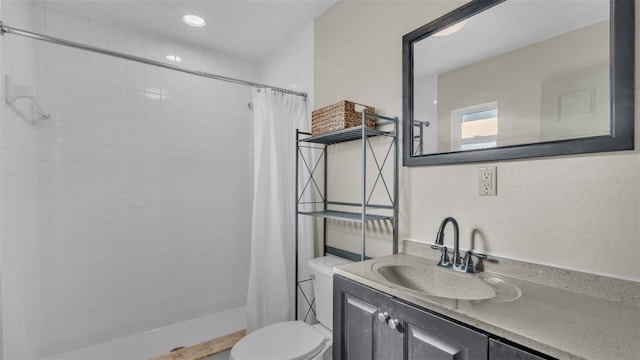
[(19, 242), (144, 178)]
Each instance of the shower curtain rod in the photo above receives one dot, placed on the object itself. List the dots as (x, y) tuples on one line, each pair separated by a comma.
[(11, 30)]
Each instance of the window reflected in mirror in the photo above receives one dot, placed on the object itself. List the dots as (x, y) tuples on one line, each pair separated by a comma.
[(475, 127)]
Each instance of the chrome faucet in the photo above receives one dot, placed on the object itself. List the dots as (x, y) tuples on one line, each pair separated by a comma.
[(457, 264), (444, 257)]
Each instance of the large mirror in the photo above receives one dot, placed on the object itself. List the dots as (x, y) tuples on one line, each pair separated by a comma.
[(496, 80)]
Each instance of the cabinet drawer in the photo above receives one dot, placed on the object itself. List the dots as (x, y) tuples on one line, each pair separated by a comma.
[(501, 351)]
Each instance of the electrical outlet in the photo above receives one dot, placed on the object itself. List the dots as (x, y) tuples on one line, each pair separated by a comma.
[(487, 181)]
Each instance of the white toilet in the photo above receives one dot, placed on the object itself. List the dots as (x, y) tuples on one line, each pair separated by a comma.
[(296, 340)]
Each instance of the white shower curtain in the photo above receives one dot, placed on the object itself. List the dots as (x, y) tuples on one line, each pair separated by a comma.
[(270, 297)]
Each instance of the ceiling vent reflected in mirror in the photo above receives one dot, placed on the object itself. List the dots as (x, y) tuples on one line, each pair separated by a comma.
[(451, 29)]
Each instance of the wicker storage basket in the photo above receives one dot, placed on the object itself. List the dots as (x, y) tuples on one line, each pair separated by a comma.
[(339, 116)]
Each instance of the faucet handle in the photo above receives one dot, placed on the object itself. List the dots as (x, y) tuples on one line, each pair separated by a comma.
[(444, 258), (469, 266), (482, 256)]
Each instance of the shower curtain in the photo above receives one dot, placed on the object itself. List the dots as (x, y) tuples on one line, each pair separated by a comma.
[(270, 297)]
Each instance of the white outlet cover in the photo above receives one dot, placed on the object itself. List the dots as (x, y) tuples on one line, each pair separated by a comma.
[(487, 181)]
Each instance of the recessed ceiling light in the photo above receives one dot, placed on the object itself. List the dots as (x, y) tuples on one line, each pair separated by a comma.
[(194, 20), (174, 58)]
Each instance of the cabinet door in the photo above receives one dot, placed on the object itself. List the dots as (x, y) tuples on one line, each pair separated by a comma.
[(432, 337), (501, 351), (358, 334)]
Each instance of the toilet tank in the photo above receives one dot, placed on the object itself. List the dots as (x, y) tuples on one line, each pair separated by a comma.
[(322, 271)]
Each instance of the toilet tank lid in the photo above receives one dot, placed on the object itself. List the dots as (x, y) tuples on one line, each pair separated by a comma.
[(325, 264)]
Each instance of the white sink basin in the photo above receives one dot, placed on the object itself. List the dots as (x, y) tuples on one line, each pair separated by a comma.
[(446, 283)]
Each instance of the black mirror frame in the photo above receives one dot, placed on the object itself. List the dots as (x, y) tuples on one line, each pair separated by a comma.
[(622, 69)]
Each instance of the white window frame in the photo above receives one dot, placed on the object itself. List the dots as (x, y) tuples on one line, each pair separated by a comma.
[(456, 126)]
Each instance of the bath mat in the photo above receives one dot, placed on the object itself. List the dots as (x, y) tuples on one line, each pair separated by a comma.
[(204, 349)]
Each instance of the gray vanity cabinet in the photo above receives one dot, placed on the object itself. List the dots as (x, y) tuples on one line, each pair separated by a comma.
[(368, 324)]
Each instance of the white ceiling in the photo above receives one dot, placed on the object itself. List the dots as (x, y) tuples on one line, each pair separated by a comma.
[(241, 28)]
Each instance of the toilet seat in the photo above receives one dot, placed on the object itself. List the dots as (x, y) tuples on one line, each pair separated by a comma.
[(292, 340)]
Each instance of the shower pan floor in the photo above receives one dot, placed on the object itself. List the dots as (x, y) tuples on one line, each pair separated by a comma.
[(160, 341)]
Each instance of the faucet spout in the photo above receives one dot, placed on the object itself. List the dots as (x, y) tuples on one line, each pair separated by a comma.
[(444, 259)]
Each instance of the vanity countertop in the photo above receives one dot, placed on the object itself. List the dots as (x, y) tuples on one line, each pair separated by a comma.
[(554, 318)]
